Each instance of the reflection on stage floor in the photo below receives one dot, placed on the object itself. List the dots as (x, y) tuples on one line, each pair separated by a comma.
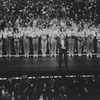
[(49, 65)]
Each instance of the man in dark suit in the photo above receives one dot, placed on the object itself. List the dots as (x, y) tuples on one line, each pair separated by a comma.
[(62, 45)]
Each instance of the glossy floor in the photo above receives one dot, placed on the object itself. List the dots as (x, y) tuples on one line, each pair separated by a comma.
[(49, 66)]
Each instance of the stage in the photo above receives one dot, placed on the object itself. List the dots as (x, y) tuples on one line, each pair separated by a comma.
[(11, 66)]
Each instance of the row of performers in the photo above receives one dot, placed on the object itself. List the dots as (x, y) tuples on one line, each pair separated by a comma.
[(21, 36)]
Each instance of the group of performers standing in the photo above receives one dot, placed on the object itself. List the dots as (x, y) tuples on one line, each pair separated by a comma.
[(79, 39)]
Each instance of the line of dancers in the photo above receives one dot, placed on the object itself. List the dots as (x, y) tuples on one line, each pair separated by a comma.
[(80, 39)]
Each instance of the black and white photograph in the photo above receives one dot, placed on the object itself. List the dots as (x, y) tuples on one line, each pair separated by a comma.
[(49, 49)]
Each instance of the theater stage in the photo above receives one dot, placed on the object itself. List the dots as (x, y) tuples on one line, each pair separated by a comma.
[(48, 66)]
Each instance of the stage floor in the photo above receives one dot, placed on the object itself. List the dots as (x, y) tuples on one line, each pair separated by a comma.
[(48, 66)]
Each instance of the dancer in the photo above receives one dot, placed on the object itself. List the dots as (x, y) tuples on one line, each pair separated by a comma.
[(71, 42), (35, 33), (84, 41), (54, 41), (44, 42), (49, 38), (8, 36), (26, 41), (1, 42), (80, 40), (17, 42), (98, 43), (90, 36)]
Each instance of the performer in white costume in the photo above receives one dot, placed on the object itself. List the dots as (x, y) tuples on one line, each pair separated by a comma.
[(54, 40), (17, 42), (90, 34), (80, 36), (44, 42), (1, 42), (98, 43), (72, 42), (35, 36), (68, 31), (26, 41), (8, 36)]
